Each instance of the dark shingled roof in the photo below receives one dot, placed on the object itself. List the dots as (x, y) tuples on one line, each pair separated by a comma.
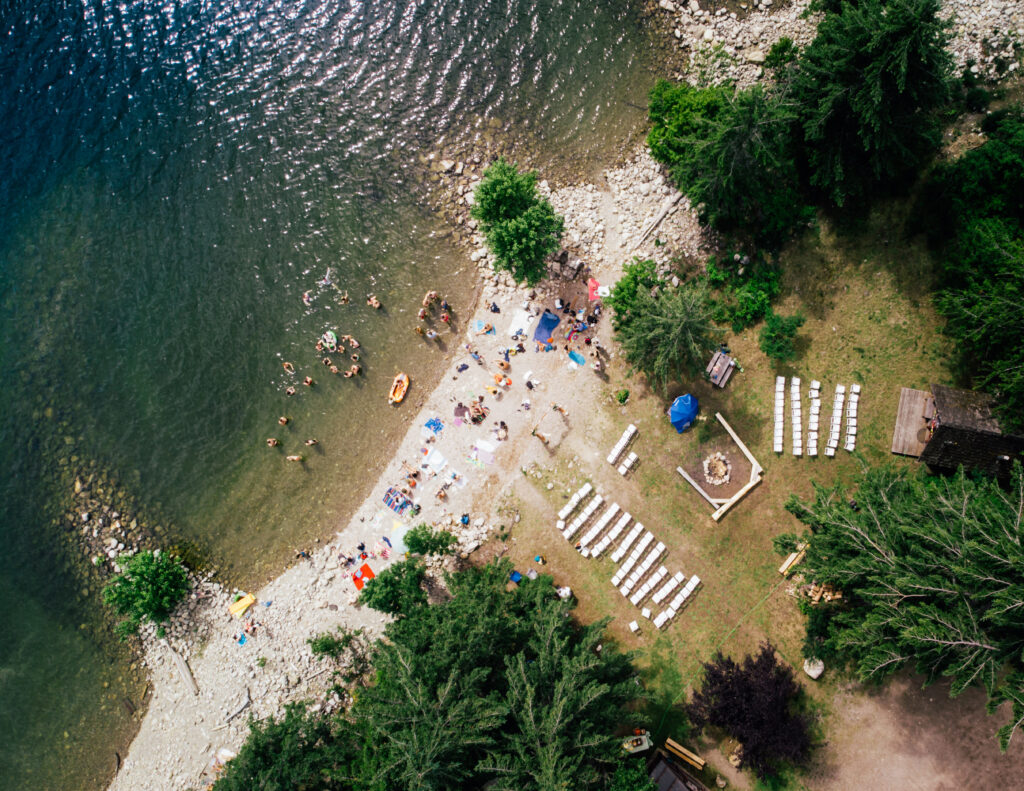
[(965, 409), (968, 435)]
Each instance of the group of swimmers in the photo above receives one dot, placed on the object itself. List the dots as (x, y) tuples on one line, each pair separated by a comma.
[(429, 300)]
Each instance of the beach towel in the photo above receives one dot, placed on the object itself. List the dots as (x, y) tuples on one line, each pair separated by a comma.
[(546, 325), (479, 325), (396, 501), (436, 460), (362, 576), (520, 324), (578, 358)]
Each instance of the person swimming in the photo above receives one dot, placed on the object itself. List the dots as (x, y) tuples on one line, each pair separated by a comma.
[(288, 367), (306, 298), (272, 442), (372, 301), (308, 381), (326, 281), (355, 369), (289, 391)]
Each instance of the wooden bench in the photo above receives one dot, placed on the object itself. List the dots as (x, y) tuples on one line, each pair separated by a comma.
[(679, 751)]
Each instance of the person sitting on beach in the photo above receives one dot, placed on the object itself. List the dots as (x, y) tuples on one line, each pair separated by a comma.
[(272, 442), (308, 381), (422, 314), (431, 334), (420, 330), (503, 365), (289, 391), (288, 367), (444, 305), (446, 318)]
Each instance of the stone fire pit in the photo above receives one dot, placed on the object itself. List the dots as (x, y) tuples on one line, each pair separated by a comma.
[(717, 469)]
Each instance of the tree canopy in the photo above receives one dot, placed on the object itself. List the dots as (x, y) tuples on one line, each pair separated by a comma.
[(932, 574), (669, 334), (396, 590), (522, 228), (755, 703), (149, 588), (867, 88), (973, 210), (731, 152), (778, 334), (424, 540), (491, 688)]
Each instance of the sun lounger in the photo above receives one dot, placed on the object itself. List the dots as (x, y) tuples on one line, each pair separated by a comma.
[(668, 587), (600, 525), (612, 534), (627, 464), (660, 619), (575, 501), (634, 627)]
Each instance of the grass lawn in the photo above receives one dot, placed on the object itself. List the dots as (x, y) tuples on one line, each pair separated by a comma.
[(869, 320)]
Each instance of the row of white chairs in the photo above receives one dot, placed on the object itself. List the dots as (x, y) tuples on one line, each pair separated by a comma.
[(641, 569), (633, 559), (627, 464), (627, 542), (612, 534), (574, 501), (620, 446), (780, 416), (665, 616), (583, 517), (599, 526), (668, 587), (851, 418), (648, 587), (794, 398)]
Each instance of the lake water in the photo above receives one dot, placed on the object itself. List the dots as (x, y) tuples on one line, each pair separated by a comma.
[(174, 176)]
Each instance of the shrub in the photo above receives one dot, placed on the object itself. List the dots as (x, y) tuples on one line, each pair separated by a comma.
[(638, 277), (522, 228), (149, 588), (746, 290), (622, 396), (783, 52), (333, 645), (777, 336), (424, 540), (397, 589)]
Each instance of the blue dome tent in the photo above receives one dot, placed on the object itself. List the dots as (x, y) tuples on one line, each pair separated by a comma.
[(683, 411)]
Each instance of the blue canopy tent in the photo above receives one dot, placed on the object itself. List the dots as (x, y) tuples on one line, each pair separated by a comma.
[(546, 325), (683, 411)]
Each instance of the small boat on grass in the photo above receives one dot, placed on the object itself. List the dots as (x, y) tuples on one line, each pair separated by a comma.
[(398, 389)]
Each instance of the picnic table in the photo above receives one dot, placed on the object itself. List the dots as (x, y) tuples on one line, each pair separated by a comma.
[(720, 368)]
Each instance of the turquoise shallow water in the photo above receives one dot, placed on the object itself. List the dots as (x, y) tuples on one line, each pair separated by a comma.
[(175, 176)]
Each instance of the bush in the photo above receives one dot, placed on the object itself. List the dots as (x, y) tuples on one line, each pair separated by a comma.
[(638, 277), (522, 228), (746, 290), (397, 589), (149, 588), (777, 336), (783, 52), (631, 775), (424, 540), (333, 645), (622, 396)]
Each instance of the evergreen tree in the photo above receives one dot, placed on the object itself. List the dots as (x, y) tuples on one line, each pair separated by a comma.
[(149, 588), (868, 86), (670, 334), (424, 540), (778, 335), (932, 574)]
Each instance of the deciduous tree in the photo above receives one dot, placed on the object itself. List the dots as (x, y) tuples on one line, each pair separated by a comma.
[(755, 704), (149, 588)]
